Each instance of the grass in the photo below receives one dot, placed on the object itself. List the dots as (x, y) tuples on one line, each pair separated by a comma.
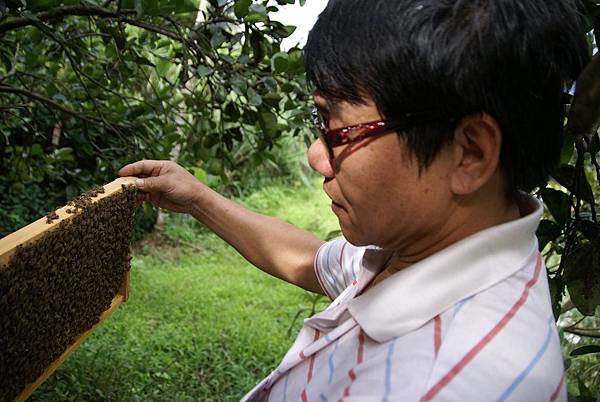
[(201, 323)]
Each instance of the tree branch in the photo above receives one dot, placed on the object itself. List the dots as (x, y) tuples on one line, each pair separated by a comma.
[(590, 333), (83, 11), (47, 101), (61, 12)]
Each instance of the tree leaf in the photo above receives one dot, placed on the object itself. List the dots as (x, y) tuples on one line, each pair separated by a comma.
[(584, 350), (547, 231), (242, 8), (254, 98), (258, 13), (582, 277), (567, 150), (566, 175), (268, 123), (163, 67), (203, 70), (558, 204), (279, 62)]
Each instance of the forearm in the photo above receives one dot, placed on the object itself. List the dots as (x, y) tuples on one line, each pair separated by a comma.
[(276, 247)]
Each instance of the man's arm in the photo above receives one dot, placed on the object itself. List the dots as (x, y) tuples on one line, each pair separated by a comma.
[(272, 245)]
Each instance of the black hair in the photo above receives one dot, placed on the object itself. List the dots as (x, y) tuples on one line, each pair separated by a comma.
[(512, 59)]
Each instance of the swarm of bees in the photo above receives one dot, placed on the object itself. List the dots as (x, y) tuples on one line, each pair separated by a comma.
[(56, 288)]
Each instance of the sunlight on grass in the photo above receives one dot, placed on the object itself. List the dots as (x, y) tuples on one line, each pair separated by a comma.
[(201, 323)]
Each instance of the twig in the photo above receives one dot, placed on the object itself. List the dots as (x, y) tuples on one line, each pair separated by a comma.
[(41, 98)]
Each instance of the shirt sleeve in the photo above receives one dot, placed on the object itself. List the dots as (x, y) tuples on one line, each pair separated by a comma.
[(337, 265)]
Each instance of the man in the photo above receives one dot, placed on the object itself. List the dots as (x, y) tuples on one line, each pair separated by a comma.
[(435, 119)]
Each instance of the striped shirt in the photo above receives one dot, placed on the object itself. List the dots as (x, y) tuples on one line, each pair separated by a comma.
[(471, 323)]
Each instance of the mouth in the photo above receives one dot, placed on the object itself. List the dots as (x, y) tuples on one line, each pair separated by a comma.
[(337, 208)]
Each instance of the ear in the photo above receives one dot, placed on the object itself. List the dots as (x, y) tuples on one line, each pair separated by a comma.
[(477, 143)]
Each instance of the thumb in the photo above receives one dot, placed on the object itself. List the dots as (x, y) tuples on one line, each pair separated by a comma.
[(148, 184)]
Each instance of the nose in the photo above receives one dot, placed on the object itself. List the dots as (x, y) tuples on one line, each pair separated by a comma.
[(318, 159)]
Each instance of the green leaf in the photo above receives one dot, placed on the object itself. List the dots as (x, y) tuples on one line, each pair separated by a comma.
[(282, 31), (556, 292), (254, 98), (558, 204), (199, 174), (567, 151), (566, 175), (279, 62), (296, 61), (258, 13), (268, 122), (242, 8), (203, 70), (582, 276), (64, 154), (163, 67), (584, 350), (547, 231)]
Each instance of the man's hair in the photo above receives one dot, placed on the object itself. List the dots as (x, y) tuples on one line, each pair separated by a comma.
[(512, 59)]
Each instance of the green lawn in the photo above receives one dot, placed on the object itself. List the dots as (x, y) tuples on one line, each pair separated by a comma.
[(201, 324)]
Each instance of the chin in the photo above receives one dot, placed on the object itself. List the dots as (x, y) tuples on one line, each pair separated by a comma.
[(355, 238)]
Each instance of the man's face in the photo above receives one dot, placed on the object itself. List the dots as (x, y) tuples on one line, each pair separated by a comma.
[(377, 191)]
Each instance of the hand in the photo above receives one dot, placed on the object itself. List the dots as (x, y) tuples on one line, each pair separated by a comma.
[(164, 184)]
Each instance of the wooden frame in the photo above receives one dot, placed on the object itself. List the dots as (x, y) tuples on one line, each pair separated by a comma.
[(34, 231)]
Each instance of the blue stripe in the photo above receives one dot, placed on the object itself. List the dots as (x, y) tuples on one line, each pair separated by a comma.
[(285, 385), (531, 364), (330, 362), (388, 372), (461, 303), (323, 398), (352, 265), (330, 277)]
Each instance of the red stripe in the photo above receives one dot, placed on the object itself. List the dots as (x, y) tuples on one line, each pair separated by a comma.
[(361, 348), (360, 353), (437, 334), (558, 388), (433, 391), (311, 366)]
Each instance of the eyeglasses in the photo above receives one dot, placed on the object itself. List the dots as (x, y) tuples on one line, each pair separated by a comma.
[(345, 135)]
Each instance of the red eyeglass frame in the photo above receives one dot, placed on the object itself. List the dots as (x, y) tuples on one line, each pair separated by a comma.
[(341, 136)]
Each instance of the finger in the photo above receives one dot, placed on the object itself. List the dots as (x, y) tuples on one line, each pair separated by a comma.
[(150, 184), (140, 168)]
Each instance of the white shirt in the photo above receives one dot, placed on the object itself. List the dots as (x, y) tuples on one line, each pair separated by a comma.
[(472, 322)]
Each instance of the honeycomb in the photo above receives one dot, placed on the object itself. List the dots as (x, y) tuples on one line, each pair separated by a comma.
[(55, 288)]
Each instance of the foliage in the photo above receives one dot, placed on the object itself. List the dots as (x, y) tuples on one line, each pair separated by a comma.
[(201, 323), (88, 86), (570, 233)]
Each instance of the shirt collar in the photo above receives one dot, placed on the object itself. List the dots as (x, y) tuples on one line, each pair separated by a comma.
[(413, 296)]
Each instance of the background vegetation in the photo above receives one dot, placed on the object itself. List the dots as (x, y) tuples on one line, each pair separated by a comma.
[(88, 86)]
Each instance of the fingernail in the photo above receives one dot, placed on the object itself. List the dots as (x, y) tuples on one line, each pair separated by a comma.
[(139, 182)]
